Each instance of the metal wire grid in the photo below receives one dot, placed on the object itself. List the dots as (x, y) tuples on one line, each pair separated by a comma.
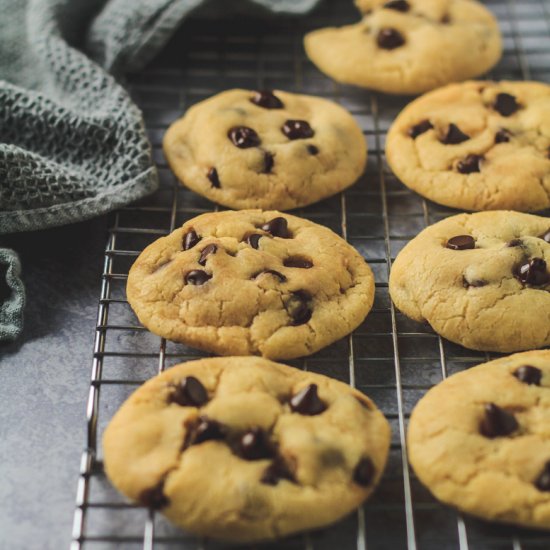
[(392, 359)]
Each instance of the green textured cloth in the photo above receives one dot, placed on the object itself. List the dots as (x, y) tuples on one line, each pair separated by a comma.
[(72, 143)]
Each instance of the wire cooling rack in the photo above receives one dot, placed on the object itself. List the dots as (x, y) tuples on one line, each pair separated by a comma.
[(392, 359)]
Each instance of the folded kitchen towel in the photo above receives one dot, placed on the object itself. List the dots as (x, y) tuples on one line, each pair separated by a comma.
[(72, 143)]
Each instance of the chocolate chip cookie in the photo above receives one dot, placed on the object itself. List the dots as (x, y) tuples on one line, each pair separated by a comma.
[(476, 146), (243, 449), (481, 280), (409, 47), (266, 149), (251, 283), (480, 440)]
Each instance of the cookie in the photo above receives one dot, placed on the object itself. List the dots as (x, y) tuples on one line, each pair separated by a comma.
[(481, 280), (476, 146), (270, 150), (251, 283), (243, 449), (409, 47), (480, 440)]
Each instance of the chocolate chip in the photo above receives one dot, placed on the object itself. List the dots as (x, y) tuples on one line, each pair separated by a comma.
[(268, 162), (154, 498), (542, 483), (455, 135), (190, 240), (514, 242), (266, 99), (244, 137), (506, 104), (280, 276), (528, 375), (253, 240), (475, 283), (297, 129), (307, 401), (213, 177), (497, 422), (204, 429), (469, 164), (189, 393), (298, 307), (206, 251), (502, 136), (389, 39), (253, 445), (461, 242), (446, 19), (398, 5), (312, 149), (197, 277), (276, 471), (298, 261), (420, 128), (364, 472), (278, 227), (546, 236), (533, 272)]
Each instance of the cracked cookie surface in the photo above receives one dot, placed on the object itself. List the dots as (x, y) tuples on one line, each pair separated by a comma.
[(250, 149), (476, 146), (251, 282), (480, 440), (409, 47), (241, 448), (481, 280)]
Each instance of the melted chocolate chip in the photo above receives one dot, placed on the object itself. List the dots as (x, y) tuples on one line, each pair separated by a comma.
[(533, 272), (266, 99), (276, 471), (528, 375), (197, 277), (297, 129), (190, 240), (278, 227), (364, 472), (307, 401), (213, 177), (502, 136), (420, 128), (253, 240), (298, 308), (280, 276), (253, 445), (205, 429), (506, 104), (299, 262), (244, 137), (546, 236), (461, 242), (455, 135), (470, 164), (514, 242), (154, 498), (312, 149), (206, 251), (389, 39), (189, 393), (542, 483), (268, 162), (398, 5), (497, 422)]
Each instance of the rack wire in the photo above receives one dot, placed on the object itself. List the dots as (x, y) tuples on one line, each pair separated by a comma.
[(392, 359)]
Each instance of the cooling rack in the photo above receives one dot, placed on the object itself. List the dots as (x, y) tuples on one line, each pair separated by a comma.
[(392, 359)]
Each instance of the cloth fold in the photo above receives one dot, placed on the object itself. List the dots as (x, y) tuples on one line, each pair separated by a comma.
[(72, 142)]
